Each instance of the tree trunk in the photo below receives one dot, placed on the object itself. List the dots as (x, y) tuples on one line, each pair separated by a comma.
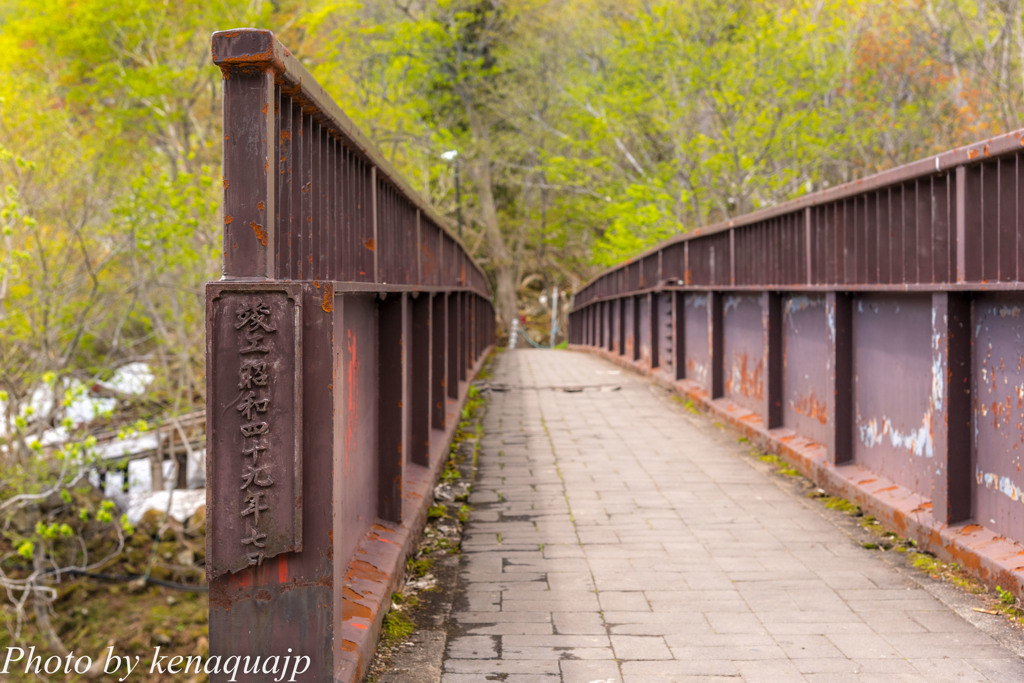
[(505, 304)]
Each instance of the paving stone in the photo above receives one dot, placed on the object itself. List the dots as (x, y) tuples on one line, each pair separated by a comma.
[(473, 647), (640, 647), (590, 672), (579, 623), (633, 601)]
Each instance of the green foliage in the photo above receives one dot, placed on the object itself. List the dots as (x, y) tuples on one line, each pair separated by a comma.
[(418, 567), (397, 626)]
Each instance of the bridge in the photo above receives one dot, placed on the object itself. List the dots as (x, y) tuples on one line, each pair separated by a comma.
[(870, 334)]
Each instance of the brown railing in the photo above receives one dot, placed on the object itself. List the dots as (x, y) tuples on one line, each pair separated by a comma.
[(341, 343), (872, 331)]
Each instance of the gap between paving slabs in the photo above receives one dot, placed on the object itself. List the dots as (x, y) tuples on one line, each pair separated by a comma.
[(995, 611), (414, 634)]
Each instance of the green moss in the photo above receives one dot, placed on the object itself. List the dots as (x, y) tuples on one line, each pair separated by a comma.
[(418, 567), (843, 505), (397, 626)]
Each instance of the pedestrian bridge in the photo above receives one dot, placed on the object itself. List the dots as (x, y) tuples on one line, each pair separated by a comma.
[(870, 334)]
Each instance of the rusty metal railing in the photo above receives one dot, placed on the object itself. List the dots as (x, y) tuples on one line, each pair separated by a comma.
[(340, 345), (872, 331)]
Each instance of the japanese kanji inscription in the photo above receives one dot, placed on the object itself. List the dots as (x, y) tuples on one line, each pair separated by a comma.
[(254, 463)]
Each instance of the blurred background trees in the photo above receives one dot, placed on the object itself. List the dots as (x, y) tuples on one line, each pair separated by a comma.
[(584, 131)]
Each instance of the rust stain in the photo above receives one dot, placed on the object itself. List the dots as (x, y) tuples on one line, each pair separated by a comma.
[(328, 302), (227, 220), (350, 609), (261, 234), (352, 397), (225, 180), (370, 244), (261, 206), (348, 645), (971, 528), (811, 407), (751, 383), (286, 135)]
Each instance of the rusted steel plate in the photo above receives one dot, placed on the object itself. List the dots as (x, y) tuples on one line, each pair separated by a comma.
[(254, 464), (998, 336), (744, 350), (643, 308), (698, 358), (663, 332), (355, 420), (805, 357), (893, 388)]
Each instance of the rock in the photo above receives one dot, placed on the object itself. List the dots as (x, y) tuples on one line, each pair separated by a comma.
[(162, 638), (444, 492), (150, 522), (447, 527)]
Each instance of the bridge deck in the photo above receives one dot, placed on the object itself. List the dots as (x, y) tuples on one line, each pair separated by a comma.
[(616, 537)]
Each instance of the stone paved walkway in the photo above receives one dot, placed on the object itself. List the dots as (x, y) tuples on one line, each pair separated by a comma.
[(616, 538)]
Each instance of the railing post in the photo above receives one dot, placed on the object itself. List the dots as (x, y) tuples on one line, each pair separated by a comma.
[(716, 345), (249, 234), (771, 315), (839, 375), (952, 409), (679, 334)]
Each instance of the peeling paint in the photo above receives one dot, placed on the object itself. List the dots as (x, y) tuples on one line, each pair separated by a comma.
[(260, 233), (919, 441), (810, 406), (995, 482), (802, 303)]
